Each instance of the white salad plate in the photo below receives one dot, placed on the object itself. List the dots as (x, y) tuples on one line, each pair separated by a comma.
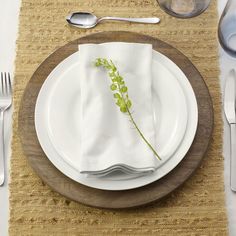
[(57, 121)]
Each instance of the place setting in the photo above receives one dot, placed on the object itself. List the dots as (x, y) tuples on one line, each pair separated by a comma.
[(117, 118), (73, 118)]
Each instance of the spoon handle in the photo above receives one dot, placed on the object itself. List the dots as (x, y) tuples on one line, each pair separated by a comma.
[(151, 20)]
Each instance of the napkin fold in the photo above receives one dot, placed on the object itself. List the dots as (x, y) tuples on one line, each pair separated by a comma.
[(109, 141)]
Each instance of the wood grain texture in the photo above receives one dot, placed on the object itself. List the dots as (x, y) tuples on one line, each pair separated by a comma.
[(116, 199)]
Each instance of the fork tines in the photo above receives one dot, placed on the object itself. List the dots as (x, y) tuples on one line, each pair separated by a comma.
[(6, 87)]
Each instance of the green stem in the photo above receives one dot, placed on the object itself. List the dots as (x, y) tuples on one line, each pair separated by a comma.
[(137, 128), (126, 103), (141, 134)]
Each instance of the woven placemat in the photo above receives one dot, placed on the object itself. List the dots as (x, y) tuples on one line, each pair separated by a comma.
[(197, 208)]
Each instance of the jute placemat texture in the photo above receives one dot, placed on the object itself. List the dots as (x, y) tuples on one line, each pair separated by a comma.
[(197, 208)]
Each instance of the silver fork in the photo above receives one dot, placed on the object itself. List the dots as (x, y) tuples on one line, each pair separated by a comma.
[(5, 103)]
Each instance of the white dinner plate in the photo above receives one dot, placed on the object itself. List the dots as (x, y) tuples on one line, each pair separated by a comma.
[(64, 111), (58, 127)]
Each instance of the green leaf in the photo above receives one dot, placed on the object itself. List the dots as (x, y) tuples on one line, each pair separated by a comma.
[(119, 79), (119, 101), (113, 87), (124, 89), (117, 95), (129, 104), (123, 109)]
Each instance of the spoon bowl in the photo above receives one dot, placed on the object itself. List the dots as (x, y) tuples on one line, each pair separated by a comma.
[(82, 19)]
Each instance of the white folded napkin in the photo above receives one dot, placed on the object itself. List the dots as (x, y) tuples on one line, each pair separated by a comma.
[(109, 141)]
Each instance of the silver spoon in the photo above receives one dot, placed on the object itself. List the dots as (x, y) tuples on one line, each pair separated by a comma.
[(88, 20)]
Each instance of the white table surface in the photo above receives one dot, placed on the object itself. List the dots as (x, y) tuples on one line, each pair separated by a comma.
[(9, 12)]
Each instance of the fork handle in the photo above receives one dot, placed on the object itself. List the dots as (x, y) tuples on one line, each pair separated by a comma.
[(2, 149)]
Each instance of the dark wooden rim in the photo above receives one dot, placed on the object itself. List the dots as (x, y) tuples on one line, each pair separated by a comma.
[(115, 199)]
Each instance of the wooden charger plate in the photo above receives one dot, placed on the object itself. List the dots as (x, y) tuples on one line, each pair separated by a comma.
[(114, 199)]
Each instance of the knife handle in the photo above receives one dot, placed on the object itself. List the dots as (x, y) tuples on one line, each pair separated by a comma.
[(233, 157)]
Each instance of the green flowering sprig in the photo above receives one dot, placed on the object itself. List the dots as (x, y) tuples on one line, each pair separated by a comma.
[(120, 93)]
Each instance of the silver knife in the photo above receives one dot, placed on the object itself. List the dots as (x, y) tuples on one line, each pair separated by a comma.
[(229, 106)]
